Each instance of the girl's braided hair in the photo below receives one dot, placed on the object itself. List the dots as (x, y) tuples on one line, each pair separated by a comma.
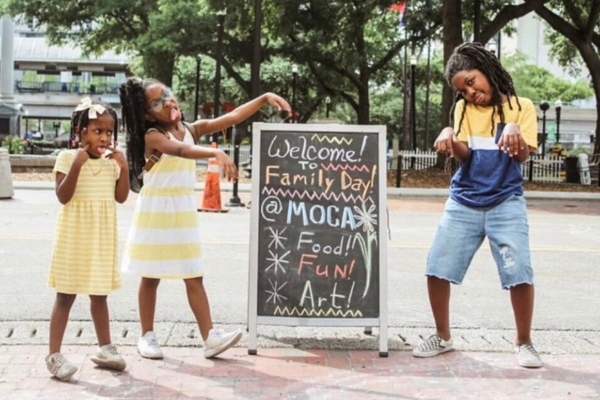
[(80, 120), (470, 56), (132, 93)]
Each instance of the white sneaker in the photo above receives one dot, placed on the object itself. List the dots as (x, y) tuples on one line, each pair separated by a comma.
[(218, 341), (148, 346), (108, 357), (527, 356), (60, 367)]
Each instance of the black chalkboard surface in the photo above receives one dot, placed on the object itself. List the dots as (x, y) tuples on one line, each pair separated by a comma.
[(318, 213)]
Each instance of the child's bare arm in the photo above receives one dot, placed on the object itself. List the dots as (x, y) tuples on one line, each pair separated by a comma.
[(66, 183), (241, 113), (448, 143), (512, 142), (158, 141), (122, 187)]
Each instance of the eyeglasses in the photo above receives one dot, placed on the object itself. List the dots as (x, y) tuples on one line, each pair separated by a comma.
[(159, 104)]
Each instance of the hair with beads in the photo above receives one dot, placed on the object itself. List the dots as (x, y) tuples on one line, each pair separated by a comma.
[(81, 118), (469, 56), (132, 93)]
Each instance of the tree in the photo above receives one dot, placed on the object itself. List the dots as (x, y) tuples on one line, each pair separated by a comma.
[(158, 31), (578, 21)]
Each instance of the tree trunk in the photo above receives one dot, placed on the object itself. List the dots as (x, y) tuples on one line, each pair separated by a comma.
[(364, 105), (159, 66), (451, 11)]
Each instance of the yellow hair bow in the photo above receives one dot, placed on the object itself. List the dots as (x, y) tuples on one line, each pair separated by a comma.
[(93, 109)]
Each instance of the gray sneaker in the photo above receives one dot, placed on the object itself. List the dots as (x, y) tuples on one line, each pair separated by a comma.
[(527, 356), (60, 367), (108, 357), (218, 341), (432, 347)]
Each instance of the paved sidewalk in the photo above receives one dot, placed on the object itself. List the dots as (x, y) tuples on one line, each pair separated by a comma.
[(300, 374)]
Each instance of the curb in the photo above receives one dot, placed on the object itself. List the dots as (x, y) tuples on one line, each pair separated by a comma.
[(391, 191)]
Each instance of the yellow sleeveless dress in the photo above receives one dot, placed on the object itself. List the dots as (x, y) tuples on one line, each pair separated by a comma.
[(164, 239), (84, 258)]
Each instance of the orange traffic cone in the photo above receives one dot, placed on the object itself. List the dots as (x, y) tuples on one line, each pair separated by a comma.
[(211, 198)]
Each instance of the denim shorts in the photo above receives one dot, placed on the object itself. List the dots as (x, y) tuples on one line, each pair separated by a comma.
[(462, 230)]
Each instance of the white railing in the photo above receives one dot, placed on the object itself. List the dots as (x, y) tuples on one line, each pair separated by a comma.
[(545, 169)]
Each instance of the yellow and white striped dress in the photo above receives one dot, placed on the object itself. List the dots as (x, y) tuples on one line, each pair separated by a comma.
[(164, 239), (84, 259)]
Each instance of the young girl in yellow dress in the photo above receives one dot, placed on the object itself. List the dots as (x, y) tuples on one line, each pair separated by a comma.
[(88, 182)]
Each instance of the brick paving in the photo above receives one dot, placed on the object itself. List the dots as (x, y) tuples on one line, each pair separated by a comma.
[(300, 374)]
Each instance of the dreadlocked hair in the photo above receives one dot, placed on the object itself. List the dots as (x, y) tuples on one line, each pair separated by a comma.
[(470, 56), (80, 120), (132, 93)]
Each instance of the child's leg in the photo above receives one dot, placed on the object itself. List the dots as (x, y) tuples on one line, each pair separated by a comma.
[(99, 311), (147, 303), (59, 319), (522, 299), (199, 304), (439, 299)]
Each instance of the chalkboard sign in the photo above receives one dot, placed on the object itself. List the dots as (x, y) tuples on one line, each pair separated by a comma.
[(318, 252)]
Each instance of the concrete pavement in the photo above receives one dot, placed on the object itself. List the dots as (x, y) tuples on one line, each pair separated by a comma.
[(565, 238)]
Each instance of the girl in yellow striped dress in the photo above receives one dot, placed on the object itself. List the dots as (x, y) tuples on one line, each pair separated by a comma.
[(164, 240), (84, 261)]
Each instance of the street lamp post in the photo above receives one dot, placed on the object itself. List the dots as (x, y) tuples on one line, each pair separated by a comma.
[(294, 74), (327, 106), (216, 103), (492, 46), (558, 108), (196, 105), (544, 106), (413, 124)]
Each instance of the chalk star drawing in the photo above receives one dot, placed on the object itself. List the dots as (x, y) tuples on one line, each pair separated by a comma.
[(274, 293), (277, 261), (277, 238)]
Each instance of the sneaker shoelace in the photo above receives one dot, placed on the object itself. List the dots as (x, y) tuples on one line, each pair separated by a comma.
[(528, 351), (55, 362), (112, 350)]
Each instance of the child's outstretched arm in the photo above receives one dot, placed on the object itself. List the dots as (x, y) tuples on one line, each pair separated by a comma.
[(157, 141), (241, 113), (122, 188), (448, 143), (66, 183)]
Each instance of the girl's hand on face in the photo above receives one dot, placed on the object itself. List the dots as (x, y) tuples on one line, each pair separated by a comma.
[(278, 102), (82, 155), (511, 141), (443, 143), (229, 170), (118, 156)]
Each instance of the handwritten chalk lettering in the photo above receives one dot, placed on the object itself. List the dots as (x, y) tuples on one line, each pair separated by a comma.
[(309, 152), (358, 185), (318, 248), (274, 177), (320, 215), (335, 297), (338, 271), (309, 165)]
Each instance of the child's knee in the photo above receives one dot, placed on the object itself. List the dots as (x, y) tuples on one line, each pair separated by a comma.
[(149, 283), (64, 300), (98, 300)]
